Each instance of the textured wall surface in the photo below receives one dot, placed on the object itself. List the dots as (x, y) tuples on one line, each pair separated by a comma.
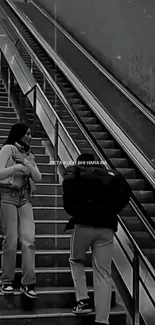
[(119, 33)]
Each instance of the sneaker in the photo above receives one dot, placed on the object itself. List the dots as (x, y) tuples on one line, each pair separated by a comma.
[(29, 291), (7, 288), (82, 307)]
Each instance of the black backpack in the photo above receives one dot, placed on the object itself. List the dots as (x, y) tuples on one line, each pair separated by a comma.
[(93, 190)]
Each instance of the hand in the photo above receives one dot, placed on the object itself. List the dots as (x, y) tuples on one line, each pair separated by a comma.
[(18, 159), (21, 168)]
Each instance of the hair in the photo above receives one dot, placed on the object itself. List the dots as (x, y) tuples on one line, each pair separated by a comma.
[(85, 158), (16, 133)]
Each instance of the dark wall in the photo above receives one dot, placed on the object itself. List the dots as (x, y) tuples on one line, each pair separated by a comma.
[(119, 33)]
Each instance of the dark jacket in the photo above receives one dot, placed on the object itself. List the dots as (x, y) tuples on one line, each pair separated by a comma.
[(97, 218)]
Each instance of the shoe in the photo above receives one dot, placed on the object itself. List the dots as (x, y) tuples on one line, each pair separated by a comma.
[(29, 291), (7, 288), (82, 307)]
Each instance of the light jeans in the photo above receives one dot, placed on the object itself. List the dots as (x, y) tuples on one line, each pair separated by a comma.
[(17, 219), (101, 242)]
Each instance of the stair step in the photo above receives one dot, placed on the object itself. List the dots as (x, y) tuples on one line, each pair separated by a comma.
[(55, 316)]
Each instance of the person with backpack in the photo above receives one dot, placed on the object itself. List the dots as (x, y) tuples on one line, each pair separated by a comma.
[(93, 196), (18, 174)]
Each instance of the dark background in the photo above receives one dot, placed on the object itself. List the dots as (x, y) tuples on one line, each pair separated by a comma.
[(119, 33)]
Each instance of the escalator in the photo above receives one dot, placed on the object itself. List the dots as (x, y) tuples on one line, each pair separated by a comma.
[(143, 193)]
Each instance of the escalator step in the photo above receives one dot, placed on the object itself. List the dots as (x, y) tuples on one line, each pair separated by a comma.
[(136, 184), (128, 173), (120, 162), (144, 196), (149, 208), (112, 153), (88, 120), (94, 127), (143, 239), (133, 223), (150, 254)]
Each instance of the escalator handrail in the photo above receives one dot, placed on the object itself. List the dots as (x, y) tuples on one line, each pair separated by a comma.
[(148, 112), (134, 202)]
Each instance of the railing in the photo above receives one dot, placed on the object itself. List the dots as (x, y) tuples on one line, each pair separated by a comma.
[(138, 255)]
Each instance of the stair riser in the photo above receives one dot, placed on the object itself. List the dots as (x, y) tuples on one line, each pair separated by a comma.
[(8, 120), (56, 280), (40, 150), (47, 201), (52, 260), (42, 159), (48, 189), (50, 214), (49, 243), (11, 114), (33, 142), (46, 168), (48, 178), (47, 228)]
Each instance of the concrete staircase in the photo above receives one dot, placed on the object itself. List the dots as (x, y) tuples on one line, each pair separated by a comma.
[(54, 283)]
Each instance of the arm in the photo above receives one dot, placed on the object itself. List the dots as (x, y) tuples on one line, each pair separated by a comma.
[(33, 170), (5, 154)]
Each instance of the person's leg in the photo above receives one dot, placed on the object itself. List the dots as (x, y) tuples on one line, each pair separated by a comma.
[(27, 239), (80, 242), (102, 249), (9, 247)]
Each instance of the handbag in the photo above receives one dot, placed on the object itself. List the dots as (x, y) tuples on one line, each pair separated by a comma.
[(8, 181)]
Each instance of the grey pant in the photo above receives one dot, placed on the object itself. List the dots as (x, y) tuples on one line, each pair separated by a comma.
[(17, 219), (101, 243)]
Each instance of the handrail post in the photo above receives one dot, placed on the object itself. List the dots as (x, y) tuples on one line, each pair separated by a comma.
[(31, 67), (56, 149), (44, 84), (34, 107), (136, 315), (9, 85), (0, 62)]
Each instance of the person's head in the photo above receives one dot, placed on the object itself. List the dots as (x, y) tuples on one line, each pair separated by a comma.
[(20, 133), (85, 159)]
